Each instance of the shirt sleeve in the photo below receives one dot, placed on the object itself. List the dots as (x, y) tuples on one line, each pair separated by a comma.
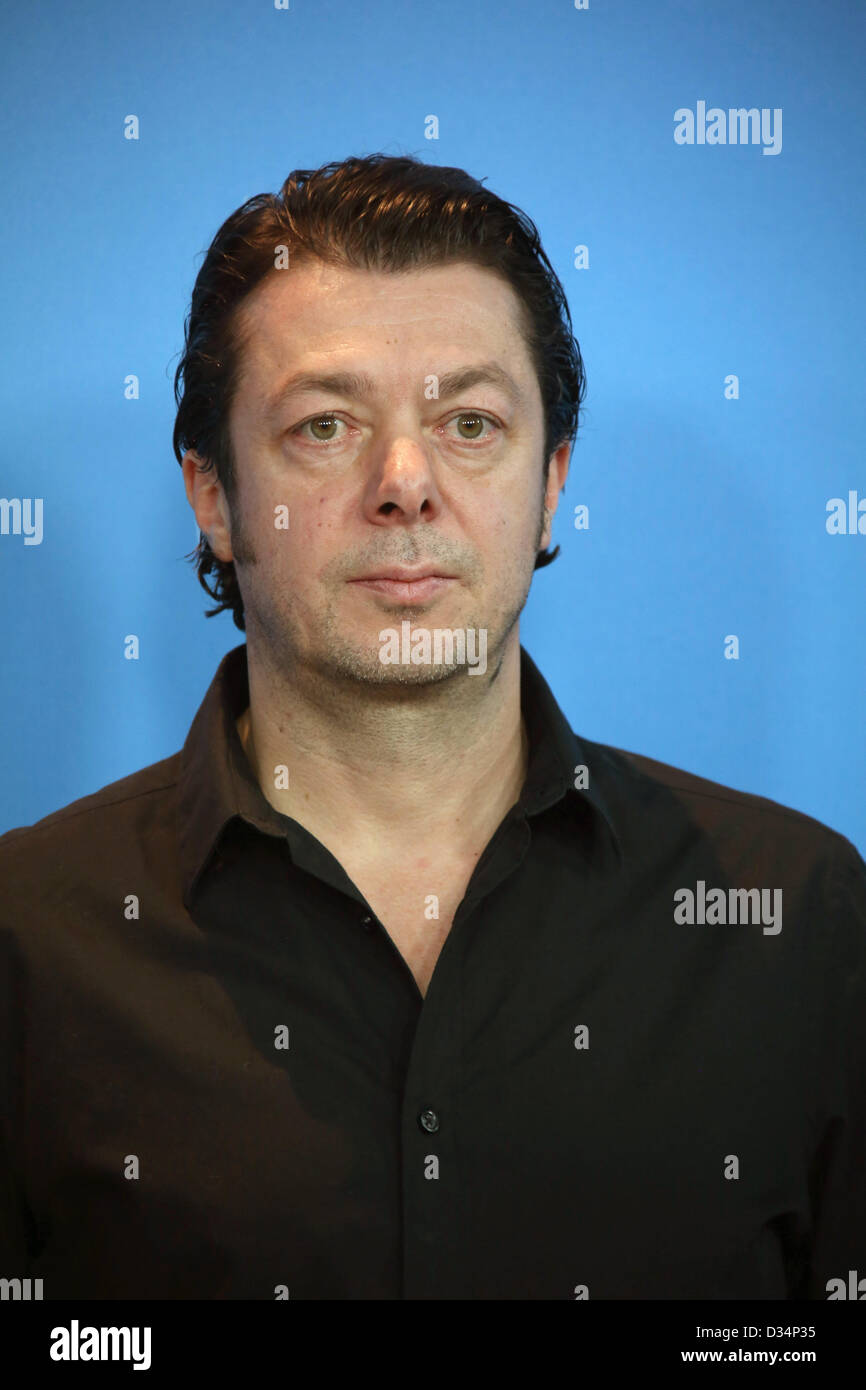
[(838, 1168)]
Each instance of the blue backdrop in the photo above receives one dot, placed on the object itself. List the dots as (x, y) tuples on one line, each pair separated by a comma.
[(719, 305)]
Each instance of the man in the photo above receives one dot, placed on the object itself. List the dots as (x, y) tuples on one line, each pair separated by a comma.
[(389, 985)]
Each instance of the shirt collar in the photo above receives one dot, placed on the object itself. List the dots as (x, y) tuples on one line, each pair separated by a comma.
[(217, 784)]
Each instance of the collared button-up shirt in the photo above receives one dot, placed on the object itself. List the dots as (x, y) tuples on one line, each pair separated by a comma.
[(639, 1070)]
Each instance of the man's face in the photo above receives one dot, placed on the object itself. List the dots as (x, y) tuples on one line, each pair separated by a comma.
[(393, 475)]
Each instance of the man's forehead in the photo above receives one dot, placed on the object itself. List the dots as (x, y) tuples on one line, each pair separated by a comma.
[(310, 319), (316, 298)]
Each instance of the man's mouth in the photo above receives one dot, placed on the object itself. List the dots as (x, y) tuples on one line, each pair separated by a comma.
[(407, 585)]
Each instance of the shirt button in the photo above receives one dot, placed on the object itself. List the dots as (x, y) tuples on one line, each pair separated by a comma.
[(367, 923), (429, 1120)]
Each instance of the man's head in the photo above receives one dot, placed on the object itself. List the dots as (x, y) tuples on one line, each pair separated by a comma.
[(406, 276)]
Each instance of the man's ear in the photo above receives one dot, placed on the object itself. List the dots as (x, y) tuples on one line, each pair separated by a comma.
[(557, 472), (206, 496)]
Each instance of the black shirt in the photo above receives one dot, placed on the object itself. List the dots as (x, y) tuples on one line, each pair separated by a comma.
[(221, 1081)]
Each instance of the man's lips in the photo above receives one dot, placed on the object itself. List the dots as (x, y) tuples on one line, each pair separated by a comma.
[(406, 585), (402, 573)]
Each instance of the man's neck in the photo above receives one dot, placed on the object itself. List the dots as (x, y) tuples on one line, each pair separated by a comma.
[(437, 766)]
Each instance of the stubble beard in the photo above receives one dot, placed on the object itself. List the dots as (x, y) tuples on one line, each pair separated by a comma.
[(336, 659)]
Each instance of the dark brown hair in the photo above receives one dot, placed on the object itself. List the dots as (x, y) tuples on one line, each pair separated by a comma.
[(376, 212)]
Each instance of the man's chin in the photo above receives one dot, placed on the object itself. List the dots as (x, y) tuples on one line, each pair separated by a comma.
[(367, 668), (391, 657)]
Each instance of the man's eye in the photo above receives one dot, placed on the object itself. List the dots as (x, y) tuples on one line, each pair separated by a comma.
[(476, 424), (328, 421)]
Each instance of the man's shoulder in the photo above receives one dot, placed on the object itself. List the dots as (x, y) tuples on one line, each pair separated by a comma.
[(93, 819), (647, 785)]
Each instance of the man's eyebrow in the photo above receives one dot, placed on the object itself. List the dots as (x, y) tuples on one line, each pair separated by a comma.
[(360, 386), (486, 373)]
